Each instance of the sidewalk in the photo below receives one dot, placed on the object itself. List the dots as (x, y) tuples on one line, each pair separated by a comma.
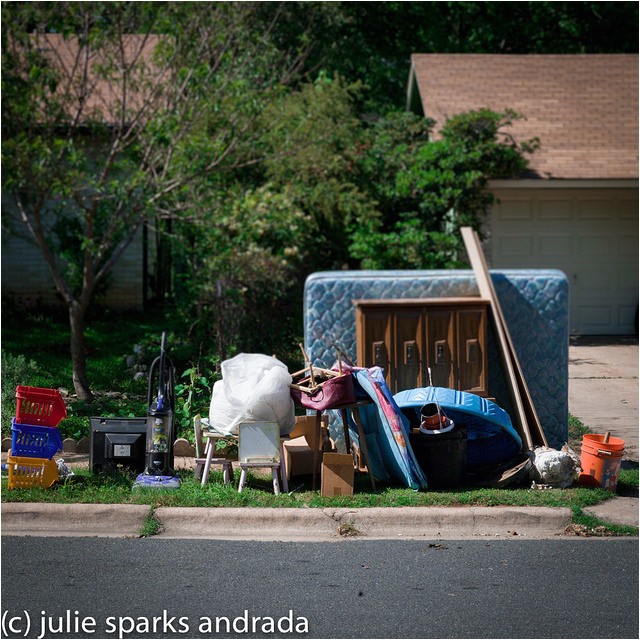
[(603, 395), (603, 387)]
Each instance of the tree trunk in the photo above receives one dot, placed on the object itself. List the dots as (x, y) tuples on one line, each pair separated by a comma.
[(79, 352)]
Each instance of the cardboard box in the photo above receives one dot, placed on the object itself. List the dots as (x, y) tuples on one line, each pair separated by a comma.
[(337, 475), (297, 450), (299, 457)]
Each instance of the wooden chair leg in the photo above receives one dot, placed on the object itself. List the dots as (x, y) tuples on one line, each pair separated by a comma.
[(207, 464), (283, 470)]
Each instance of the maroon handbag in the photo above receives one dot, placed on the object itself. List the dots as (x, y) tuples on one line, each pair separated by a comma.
[(327, 390)]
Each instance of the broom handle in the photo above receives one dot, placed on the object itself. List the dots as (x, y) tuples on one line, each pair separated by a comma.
[(435, 397)]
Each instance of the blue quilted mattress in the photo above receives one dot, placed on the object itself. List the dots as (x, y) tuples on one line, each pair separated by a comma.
[(535, 304)]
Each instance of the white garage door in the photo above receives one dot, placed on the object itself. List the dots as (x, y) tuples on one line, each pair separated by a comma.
[(590, 234)]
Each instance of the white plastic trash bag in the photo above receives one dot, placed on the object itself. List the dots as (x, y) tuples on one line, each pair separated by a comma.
[(222, 414), (254, 386)]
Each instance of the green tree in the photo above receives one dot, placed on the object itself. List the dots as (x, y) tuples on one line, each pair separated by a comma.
[(373, 41), (239, 274), (276, 222), (431, 189), (312, 156), (111, 112)]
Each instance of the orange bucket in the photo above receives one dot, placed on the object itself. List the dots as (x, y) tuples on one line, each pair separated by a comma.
[(600, 459)]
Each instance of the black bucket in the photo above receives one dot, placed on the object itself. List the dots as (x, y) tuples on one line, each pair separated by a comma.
[(442, 456)]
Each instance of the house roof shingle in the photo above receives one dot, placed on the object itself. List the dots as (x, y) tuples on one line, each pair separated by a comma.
[(583, 108), (94, 82)]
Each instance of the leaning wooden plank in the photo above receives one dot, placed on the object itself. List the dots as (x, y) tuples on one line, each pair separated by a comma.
[(533, 421), (537, 433), (485, 285)]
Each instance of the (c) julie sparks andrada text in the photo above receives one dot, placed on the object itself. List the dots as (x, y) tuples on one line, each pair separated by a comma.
[(123, 626)]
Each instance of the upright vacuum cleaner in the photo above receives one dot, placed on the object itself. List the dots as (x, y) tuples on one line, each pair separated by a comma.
[(159, 473)]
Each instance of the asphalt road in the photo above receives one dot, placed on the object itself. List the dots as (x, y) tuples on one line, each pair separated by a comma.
[(150, 588)]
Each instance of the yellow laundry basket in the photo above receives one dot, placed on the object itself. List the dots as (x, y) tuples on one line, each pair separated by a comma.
[(25, 473)]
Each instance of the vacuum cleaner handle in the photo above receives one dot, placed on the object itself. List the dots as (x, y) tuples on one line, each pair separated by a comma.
[(158, 364), (161, 368)]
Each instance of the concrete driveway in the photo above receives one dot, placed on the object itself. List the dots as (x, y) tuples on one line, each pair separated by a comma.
[(603, 386)]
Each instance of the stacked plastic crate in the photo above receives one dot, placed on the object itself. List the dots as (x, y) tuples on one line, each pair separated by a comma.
[(35, 438)]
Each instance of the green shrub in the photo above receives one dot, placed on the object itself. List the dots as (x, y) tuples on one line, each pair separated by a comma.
[(193, 394), (16, 370)]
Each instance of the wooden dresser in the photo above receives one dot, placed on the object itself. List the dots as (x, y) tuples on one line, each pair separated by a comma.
[(407, 336)]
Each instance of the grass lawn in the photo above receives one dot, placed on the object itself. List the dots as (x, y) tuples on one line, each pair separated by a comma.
[(35, 352), (87, 488), (108, 489)]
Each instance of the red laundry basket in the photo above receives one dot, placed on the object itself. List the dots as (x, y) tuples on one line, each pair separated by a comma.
[(43, 407)]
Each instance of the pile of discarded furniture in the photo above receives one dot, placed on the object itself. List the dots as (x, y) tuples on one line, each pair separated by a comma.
[(419, 436), (415, 409)]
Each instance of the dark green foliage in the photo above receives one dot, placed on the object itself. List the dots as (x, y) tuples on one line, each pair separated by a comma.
[(313, 159), (240, 275), (428, 190), (35, 353), (274, 148), (192, 394), (374, 41)]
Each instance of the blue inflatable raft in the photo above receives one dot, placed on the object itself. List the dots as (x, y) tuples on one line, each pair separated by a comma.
[(491, 438)]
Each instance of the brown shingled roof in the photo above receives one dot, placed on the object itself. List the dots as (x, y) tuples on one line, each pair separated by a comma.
[(583, 108), (108, 84)]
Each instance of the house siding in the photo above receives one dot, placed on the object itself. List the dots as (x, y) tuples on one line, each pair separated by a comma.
[(27, 279)]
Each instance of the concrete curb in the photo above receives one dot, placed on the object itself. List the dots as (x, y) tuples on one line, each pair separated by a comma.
[(245, 523), (87, 520), (285, 524), (374, 523), (461, 522)]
